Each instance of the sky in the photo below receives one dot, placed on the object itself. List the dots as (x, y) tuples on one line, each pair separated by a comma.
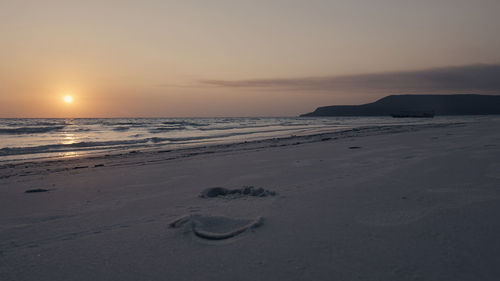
[(238, 58)]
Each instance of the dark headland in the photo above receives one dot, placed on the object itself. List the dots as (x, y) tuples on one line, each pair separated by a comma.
[(438, 104)]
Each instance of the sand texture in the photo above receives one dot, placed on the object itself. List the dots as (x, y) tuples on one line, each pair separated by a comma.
[(383, 203)]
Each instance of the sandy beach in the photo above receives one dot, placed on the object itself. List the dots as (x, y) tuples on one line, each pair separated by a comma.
[(384, 203)]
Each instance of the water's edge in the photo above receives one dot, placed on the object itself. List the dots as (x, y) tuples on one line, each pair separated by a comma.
[(31, 139)]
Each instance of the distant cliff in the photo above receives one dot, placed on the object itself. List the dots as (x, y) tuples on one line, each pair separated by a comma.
[(439, 104)]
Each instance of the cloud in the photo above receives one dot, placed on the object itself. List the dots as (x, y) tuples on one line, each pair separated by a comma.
[(478, 78)]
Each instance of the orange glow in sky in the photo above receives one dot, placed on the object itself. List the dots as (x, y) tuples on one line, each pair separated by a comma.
[(181, 58), (68, 99)]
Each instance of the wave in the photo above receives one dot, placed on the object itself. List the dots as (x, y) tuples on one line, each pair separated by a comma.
[(121, 129), (30, 130), (32, 122), (76, 146), (123, 144), (237, 127), (45, 136), (184, 123), (227, 135), (48, 123), (165, 129)]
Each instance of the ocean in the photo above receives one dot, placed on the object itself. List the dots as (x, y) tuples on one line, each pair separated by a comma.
[(29, 139)]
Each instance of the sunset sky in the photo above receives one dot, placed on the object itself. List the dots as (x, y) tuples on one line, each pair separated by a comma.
[(238, 58)]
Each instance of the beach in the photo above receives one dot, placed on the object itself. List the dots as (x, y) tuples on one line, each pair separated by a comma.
[(402, 202)]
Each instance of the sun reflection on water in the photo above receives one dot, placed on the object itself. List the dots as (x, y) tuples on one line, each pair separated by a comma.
[(68, 138), (69, 154)]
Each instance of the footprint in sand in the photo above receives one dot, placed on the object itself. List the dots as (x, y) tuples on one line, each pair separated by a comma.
[(215, 227)]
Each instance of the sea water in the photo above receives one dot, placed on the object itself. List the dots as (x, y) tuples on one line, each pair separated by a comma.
[(25, 139)]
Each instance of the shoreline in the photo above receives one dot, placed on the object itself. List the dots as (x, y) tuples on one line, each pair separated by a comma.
[(158, 154), (99, 137)]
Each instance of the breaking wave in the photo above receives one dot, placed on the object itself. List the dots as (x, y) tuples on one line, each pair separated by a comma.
[(29, 130)]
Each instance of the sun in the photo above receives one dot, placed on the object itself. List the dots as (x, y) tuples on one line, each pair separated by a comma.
[(68, 99)]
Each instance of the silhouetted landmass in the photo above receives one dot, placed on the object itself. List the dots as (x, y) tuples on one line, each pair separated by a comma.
[(438, 104)]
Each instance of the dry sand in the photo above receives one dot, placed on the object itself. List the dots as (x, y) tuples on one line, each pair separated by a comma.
[(385, 203)]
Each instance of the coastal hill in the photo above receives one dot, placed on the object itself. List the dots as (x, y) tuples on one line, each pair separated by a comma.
[(438, 104)]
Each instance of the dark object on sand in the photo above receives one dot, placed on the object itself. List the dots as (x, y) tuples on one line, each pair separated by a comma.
[(214, 192), (98, 165), (215, 227), (354, 147), (36, 190), (80, 167), (244, 191)]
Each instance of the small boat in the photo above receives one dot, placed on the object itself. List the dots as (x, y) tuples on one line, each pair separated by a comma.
[(413, 114)]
